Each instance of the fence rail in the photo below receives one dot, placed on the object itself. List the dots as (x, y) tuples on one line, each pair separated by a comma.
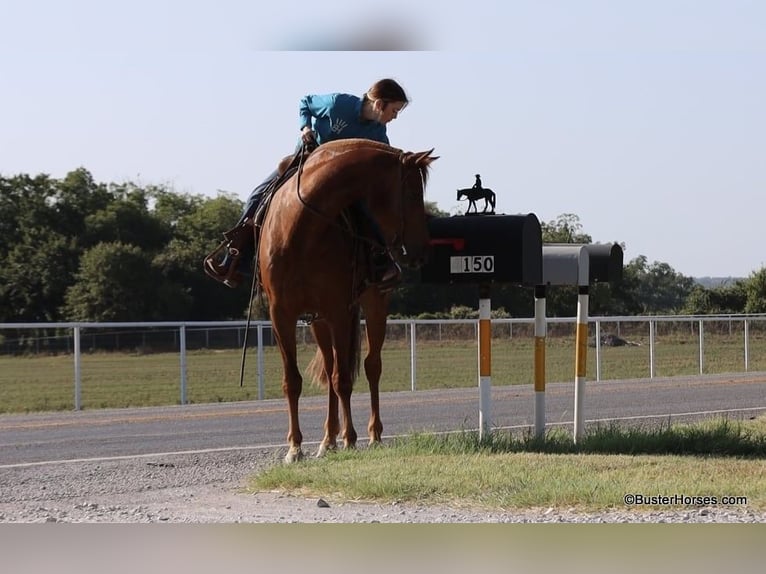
[(422, 349)]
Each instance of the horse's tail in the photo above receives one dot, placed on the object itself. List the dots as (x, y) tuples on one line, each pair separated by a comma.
[(492, 198), (355, 356), (316, 370)]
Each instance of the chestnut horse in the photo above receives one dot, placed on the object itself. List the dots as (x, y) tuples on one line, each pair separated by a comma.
[(309, 263)]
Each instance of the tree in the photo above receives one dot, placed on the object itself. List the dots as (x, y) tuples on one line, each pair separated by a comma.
[(127, 219), (655, 288), (115, 282), (718, 300), (74, 198), (755, 289), (566, 228), (197, 232), (34, 277)]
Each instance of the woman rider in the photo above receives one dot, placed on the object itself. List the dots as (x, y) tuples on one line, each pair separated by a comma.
[(323, 118)]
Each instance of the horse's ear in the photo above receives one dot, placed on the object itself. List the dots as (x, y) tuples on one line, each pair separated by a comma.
[(425, 157)]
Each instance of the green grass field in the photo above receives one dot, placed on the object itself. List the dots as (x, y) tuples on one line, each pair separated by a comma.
[(114, 380), (714, 458)]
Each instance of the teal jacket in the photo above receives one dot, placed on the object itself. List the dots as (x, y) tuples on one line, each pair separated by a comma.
[(338, 116)]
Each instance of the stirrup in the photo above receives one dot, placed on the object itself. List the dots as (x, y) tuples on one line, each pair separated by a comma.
[(226, 274), (390, 279)]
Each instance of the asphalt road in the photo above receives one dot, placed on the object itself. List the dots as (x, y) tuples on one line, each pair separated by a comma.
[(114, 433)]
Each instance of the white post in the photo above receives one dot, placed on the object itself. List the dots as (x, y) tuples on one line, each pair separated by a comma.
[(413, 357), (581, 344), (485, 362), (77, 370), (702, 347), (651, 349), (182, 342), (540, 335), (598, 349), (747, 347)]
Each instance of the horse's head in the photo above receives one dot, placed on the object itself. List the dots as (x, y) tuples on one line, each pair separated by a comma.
[(413, 237), (460, 193), (399, 207)]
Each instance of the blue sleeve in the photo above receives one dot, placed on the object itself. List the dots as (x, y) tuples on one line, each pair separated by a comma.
[(314, 106)]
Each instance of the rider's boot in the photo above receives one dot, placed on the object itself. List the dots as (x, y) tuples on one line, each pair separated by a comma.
[(229, 263), (386, 274)]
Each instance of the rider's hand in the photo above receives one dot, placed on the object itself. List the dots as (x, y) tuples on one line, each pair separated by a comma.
[(308, 136)]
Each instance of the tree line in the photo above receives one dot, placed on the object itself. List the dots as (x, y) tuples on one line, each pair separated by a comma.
[(74, 249)]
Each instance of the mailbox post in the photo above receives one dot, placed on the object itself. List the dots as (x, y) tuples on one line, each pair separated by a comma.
[(483, 250), (571, 264)]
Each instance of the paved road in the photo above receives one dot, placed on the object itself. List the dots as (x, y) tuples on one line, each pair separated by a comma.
[(62, 436)]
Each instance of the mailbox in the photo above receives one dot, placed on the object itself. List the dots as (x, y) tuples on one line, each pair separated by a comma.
[(563, 263), (605, 262), (484, 249)]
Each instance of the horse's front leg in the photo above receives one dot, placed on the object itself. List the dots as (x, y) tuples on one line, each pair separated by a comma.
[(292, 385)]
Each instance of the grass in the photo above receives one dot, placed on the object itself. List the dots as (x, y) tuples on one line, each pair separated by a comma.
[(713, 459), (115, 380)]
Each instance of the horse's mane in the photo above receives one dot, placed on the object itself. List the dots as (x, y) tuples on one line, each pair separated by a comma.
[(409, 159)]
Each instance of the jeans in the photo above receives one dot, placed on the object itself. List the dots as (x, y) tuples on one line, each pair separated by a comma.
[(256, 196)]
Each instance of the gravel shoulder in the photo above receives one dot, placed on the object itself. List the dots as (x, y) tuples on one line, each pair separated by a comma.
[(210, 488)]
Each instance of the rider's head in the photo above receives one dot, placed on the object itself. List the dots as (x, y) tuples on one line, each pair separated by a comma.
[(386, 99)]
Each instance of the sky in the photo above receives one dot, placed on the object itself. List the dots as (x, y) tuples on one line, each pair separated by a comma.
[(646, 120)]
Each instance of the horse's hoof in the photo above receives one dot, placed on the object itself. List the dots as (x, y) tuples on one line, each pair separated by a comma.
[(294, 454), (374, 443), (324, 449)]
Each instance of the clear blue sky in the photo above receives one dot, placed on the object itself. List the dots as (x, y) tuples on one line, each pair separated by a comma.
[(646, 119)]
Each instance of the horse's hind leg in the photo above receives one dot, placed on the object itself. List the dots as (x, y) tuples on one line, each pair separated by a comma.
[(323, 338), (292, 382), (343, 377)]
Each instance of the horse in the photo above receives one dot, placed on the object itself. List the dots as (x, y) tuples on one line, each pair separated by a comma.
[(473, 194), (309, 264)]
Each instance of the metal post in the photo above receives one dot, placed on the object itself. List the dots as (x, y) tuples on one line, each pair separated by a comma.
[(598, 349), (413, 358), (702, 347), (651, 349), (540, 335), (485, 361), (182, 343), (747, 346), (261, 375), (581, 344), (77, 370)]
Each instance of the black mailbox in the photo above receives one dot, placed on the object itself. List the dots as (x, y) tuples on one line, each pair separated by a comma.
[(605, 262), (485, 249)]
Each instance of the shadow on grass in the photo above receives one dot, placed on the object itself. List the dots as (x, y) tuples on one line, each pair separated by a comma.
[(720, 437)]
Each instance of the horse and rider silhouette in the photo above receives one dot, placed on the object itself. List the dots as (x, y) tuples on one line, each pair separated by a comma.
[(473, 194)]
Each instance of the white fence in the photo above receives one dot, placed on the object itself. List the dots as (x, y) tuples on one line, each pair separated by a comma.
[(739, 333)]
